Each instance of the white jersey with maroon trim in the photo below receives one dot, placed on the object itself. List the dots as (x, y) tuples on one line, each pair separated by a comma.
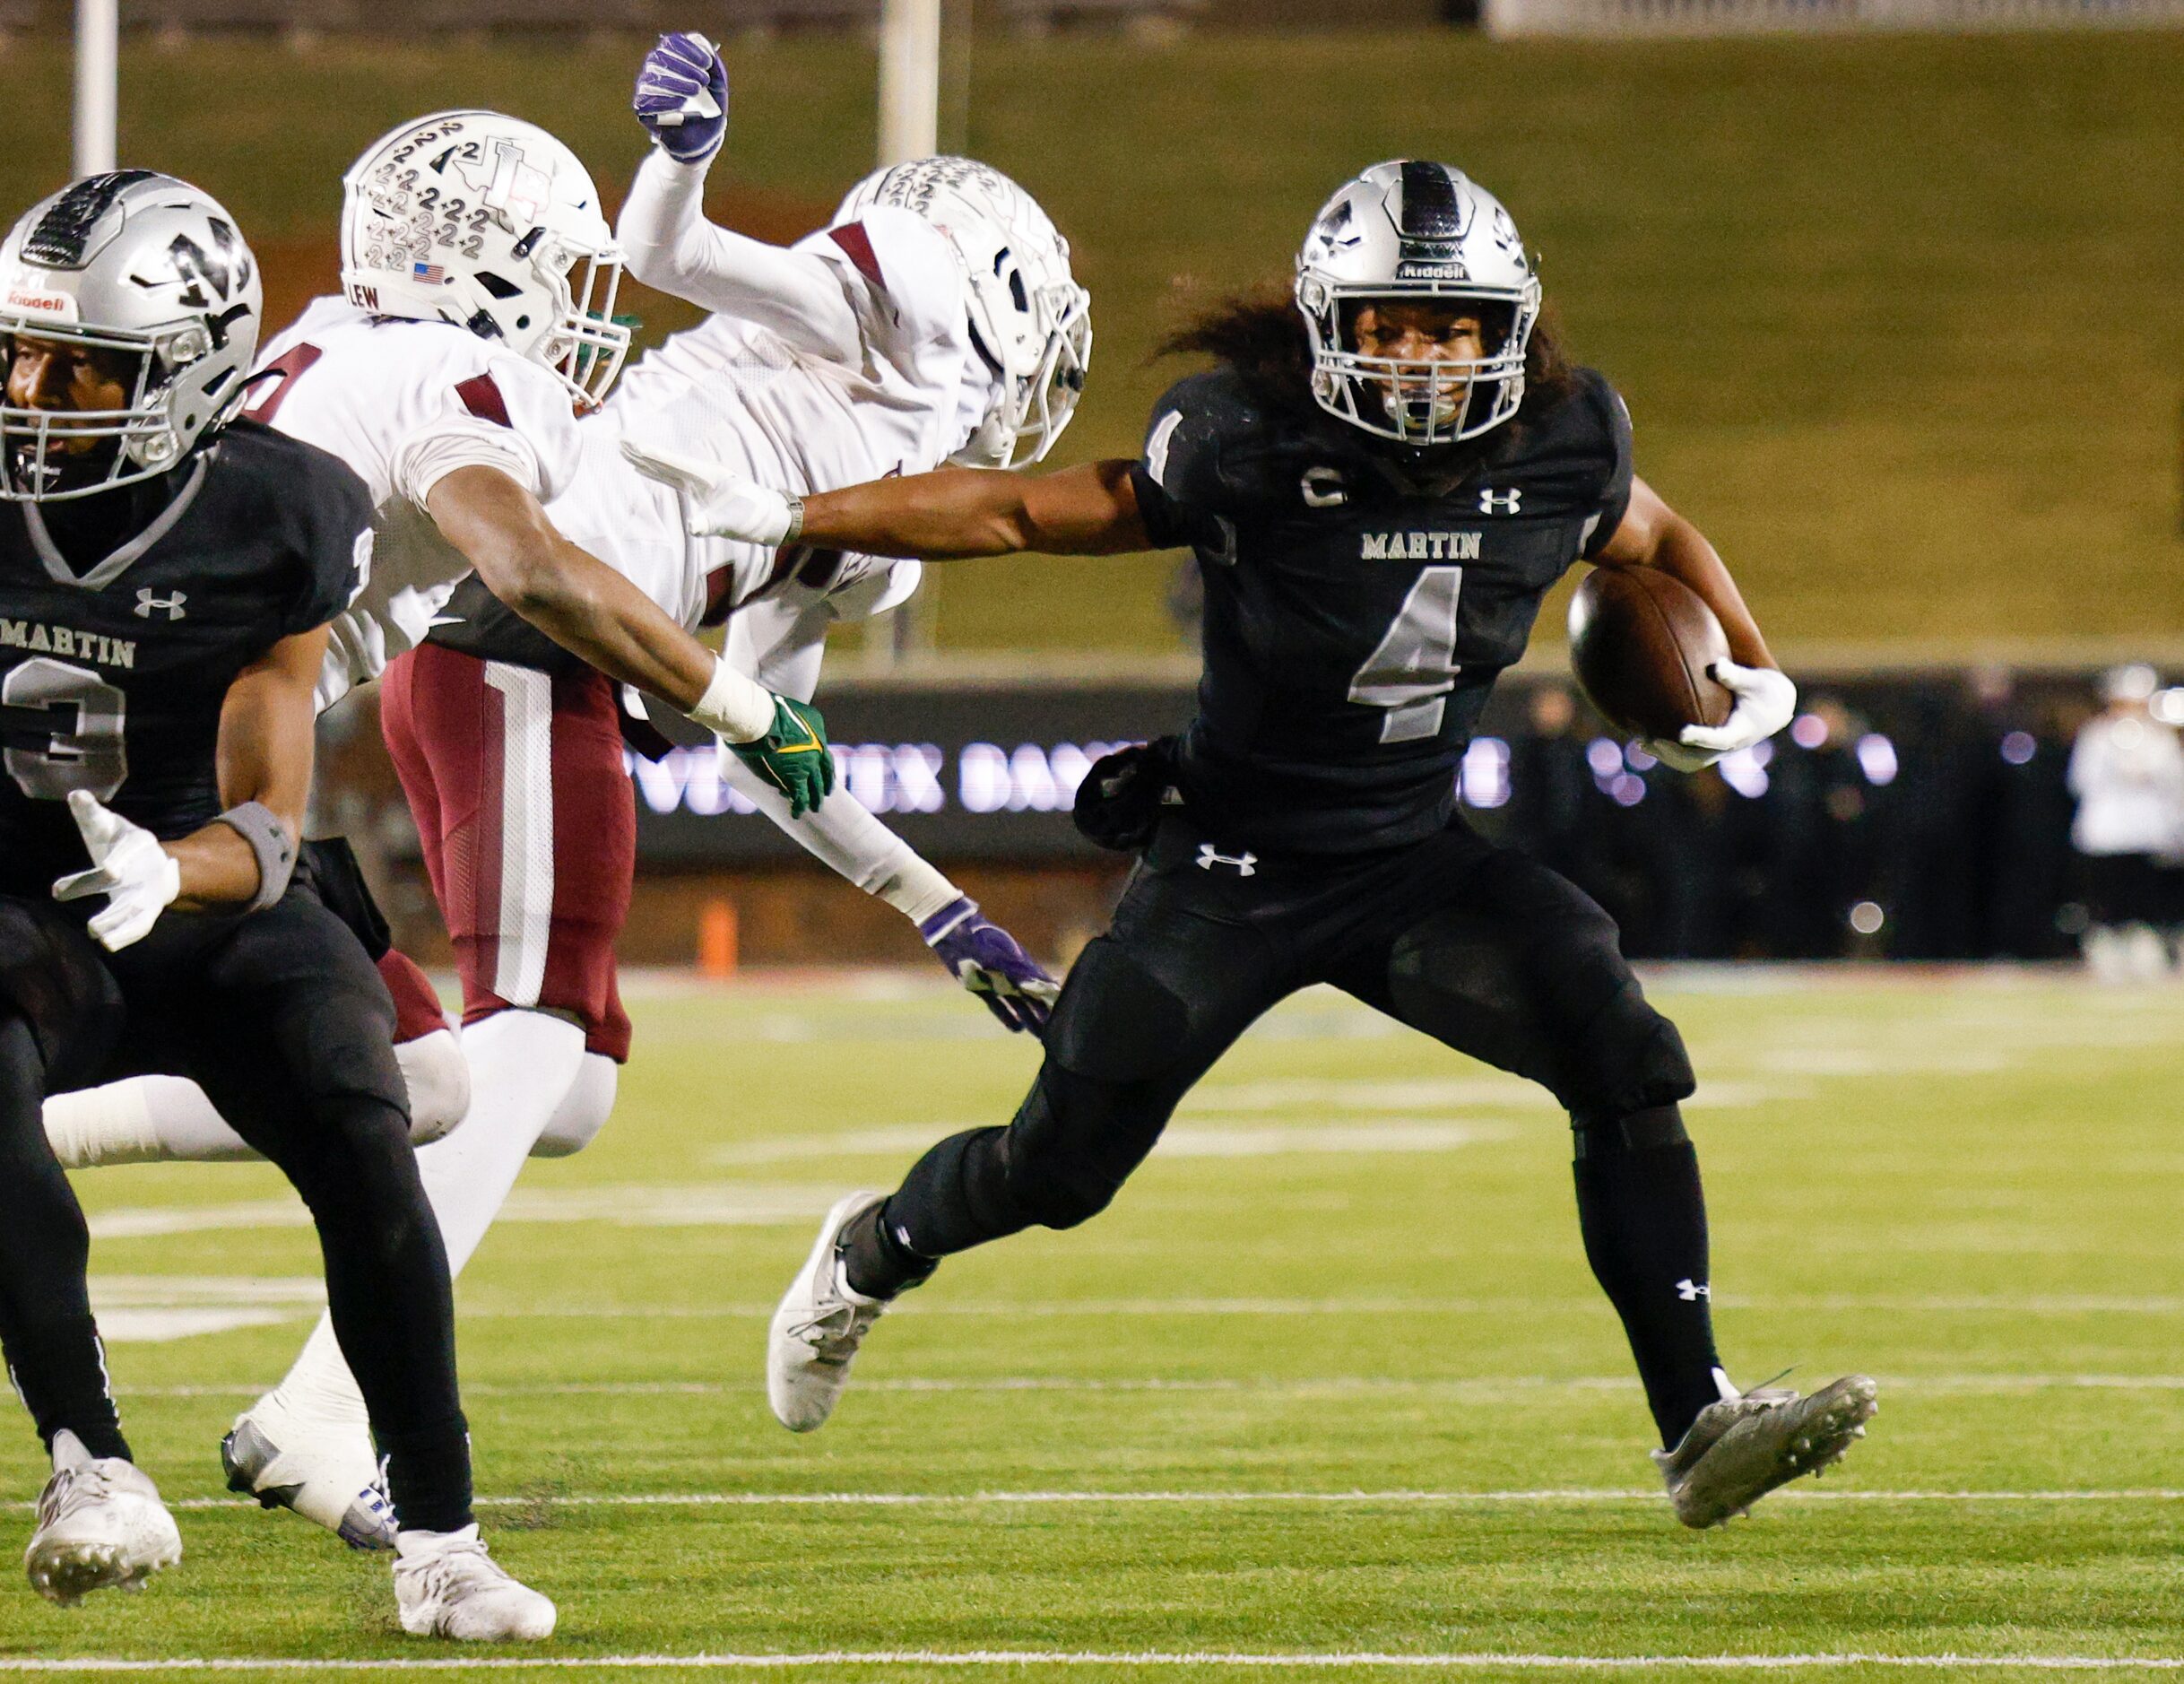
[(406, 404), (759, 401)]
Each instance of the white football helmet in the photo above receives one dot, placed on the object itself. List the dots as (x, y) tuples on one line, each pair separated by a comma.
[(1030, 318), (485, 221), (1411, 230), (151, 271)]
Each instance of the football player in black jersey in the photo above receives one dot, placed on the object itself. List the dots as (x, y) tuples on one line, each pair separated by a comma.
[(1380, 480), (167, 575)]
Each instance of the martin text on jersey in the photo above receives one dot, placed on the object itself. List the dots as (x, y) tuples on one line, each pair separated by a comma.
[(1419, 546), (84, 646)]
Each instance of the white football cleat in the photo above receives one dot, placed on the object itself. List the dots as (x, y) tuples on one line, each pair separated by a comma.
[(818, 1327), (327, 1475), (101, 1524), (1741, 1448), (446, 1585)]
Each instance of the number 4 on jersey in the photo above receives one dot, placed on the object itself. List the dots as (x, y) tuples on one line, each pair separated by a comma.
[(1414, 668)]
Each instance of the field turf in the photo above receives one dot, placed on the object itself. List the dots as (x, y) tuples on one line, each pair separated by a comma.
[(1330, 1381), (1898, 317)]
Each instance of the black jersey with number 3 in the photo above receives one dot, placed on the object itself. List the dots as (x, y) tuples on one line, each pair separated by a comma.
[(114, 665), (1357, 613)]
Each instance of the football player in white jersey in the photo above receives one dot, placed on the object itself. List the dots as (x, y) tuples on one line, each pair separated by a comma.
[(934, 319)]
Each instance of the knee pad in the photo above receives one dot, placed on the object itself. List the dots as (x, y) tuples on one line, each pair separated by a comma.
[(1557, 1004), (1075, 1142), (1600, 1136), (438, 1079), (582, 1111)]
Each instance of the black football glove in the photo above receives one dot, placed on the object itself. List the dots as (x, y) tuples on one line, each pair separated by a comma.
[(1120, 802)]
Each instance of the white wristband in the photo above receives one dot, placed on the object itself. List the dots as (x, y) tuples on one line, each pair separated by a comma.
[(917, 891), (734, 708)]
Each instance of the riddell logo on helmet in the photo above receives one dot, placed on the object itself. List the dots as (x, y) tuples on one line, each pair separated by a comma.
[(43, 303), (1432, 272)]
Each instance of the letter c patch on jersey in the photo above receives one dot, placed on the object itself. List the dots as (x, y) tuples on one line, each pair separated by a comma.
[(1323, 488)]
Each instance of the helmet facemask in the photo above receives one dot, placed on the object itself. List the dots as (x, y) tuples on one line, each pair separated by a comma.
[(588, 345), (1421, 402), (1031, 408)]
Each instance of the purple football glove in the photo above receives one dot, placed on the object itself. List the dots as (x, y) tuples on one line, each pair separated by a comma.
[(682, 97), (988, 962)]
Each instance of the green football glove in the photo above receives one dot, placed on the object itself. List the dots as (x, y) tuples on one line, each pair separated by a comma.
[(793, 756)]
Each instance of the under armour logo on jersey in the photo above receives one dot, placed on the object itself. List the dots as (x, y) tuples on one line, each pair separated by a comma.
[(1691, 1291), (1499, 502), (1209, 856), (146, 601)]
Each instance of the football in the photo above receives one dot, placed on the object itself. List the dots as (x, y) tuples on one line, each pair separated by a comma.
[(1643, 644)]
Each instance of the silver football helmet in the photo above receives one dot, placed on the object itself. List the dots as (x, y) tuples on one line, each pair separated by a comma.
[(491, 223), (151, 271), (1028, 315), (1415, 230)]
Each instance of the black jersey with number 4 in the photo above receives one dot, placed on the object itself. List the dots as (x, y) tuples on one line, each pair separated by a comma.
[(1357, 613), (118, 639)]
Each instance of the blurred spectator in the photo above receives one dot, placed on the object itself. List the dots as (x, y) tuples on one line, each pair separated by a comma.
[(2126, 771), (2021, 838), (1821, 835)]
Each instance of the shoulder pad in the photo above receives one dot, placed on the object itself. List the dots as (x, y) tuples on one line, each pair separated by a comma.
[(1213, 444)]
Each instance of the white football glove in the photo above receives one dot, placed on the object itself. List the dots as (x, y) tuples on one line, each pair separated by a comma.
[(1765, 701), (139, 878), (718, 502)]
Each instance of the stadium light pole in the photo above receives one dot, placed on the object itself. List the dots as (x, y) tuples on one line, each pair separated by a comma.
[(98, 84), (909, 127), (909, 80)]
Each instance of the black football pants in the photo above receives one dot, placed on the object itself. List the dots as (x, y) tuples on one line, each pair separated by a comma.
[(284, 1023), (1481, 948)]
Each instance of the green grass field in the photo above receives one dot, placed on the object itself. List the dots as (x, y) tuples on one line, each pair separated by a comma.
[(1330, 1381), (1898, 317)]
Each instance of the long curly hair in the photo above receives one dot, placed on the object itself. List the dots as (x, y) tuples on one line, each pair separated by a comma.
[(1261, 333)]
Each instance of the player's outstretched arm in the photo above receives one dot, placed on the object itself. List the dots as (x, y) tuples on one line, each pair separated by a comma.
[(1653, 535), (938, 516), (592, 610), (682, 101)]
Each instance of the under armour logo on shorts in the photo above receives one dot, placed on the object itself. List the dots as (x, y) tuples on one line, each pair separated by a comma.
[(1208, 857), (1691, 1291), (146, 601)]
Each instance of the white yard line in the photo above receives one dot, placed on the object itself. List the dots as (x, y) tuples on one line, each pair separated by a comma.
[(1485, 1388), (1330, 1660), (1046, 1309), (1554, 1497)]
